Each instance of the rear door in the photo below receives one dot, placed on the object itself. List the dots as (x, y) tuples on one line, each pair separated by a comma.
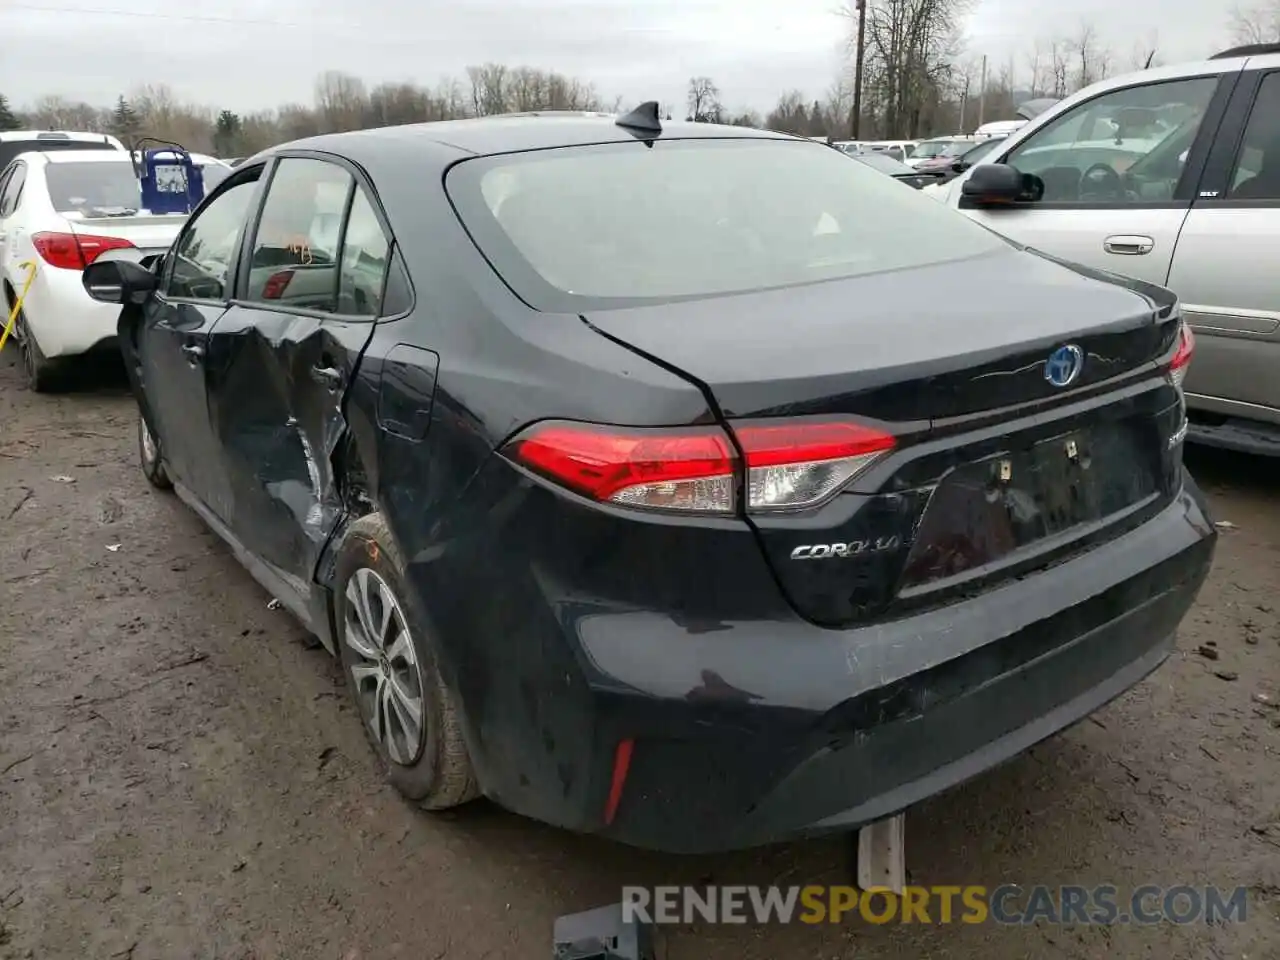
[(282, 356), (4, 240), (1119, 172), (11, 232), (168, 350), (1223, 269)]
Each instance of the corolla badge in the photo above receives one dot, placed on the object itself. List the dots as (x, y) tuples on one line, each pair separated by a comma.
[(1064, 365)]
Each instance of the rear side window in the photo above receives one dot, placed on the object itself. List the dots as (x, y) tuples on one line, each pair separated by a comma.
[(295, 250), (364, 261), (93, 189), (624, 223), (13, 190)]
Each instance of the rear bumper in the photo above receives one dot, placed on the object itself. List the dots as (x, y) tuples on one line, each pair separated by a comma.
[(761, 728), (64, 319)]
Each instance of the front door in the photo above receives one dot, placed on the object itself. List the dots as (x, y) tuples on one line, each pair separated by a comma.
[(171, 345), (1224, 271), (284, 354), (1119, 172)]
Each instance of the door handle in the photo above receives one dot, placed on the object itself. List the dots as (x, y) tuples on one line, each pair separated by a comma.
[(1128, 246), (329, 376), (193, 352)]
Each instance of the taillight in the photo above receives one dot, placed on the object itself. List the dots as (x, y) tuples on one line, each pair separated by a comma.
[(72, 251), (276, 285), (796, 464), (791, 464), (1182, 355), (688, 470)]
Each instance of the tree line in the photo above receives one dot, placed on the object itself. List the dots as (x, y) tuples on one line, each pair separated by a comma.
[(918, 80)]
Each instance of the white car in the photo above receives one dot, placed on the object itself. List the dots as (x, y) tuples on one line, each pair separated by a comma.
[(62, 210)]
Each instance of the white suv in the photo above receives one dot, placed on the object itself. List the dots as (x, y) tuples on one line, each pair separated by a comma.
[(14, 142), (1170, 175)]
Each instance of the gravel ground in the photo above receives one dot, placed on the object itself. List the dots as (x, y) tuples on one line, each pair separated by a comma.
[(180, 777)]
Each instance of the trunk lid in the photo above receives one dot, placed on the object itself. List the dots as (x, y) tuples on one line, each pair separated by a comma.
[(997, 468), (149, 233)]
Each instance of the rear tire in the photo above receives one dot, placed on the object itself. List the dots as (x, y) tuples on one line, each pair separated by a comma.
[(389, 661), (43, 375), (150, 458)]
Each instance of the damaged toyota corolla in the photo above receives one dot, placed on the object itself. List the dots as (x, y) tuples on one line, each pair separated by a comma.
[(678, 483)]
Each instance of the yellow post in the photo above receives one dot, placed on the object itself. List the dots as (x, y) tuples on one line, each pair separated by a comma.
[(30, 266)]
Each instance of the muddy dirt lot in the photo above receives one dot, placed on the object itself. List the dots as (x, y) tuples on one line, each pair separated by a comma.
[(181, 778)]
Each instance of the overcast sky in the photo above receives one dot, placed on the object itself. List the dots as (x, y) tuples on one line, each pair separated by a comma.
[(251, 54)]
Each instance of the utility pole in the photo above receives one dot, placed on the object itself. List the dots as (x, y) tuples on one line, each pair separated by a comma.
[(855, 122), (964, 102), (982, 93)]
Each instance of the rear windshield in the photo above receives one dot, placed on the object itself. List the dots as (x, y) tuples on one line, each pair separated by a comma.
[(105, 188), (93, 188), (929, 149), (625, 223), (11, 148), (884, 163)]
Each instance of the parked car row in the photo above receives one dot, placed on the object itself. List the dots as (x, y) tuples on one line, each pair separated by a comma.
[(67, 199)]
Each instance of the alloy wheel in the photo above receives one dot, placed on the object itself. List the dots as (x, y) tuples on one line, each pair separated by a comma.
[(385, 669)]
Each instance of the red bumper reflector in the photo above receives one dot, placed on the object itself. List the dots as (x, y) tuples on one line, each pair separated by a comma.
[(621, 766)]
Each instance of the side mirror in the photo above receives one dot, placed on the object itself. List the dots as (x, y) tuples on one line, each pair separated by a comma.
[(959, 167), (118, 281), (998, 184)]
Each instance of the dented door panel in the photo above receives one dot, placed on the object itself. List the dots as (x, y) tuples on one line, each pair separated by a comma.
[(276, 387)]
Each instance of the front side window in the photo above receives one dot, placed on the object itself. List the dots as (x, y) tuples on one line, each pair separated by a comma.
[(592, 227), (205, 253), (295, 249), (1257, 173), (1127, 146)]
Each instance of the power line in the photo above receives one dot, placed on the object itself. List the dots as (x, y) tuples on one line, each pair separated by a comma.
[(186, 18)]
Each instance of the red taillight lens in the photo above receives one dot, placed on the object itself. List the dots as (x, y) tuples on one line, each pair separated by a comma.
[(796, 464), (1182, 355), (71, 251), (689, 469), (791, 464), (58, 250)]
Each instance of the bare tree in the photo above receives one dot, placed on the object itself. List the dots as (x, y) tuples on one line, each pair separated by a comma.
[(59, 113), (1037, 66), (1145, 54), (1255, 23), (1059, 68), (341, 101), (839, 103), (789, 115), (704, 100), (910, 47), (747, 118), (1084, 51)]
